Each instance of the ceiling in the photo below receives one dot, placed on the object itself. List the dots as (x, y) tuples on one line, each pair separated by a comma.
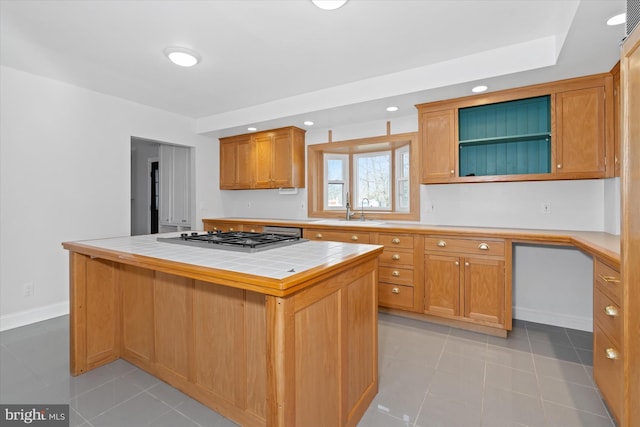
[(270, 63)]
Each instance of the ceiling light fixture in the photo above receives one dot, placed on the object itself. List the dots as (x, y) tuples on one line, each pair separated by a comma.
[(479, 89), (329, 4), (617, 19), (392, 108), (182, 56), (308, 123)]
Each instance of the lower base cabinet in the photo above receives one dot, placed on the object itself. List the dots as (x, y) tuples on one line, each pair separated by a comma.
[(464, 286), (608, 363)]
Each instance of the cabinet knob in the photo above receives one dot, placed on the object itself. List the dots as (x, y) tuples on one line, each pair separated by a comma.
[(230, 228), (611, 310), (611, 353), (319, 236), (395, 291), (456, 263), (395, 257), (354, 238), (453, 171), (442, 243), (466, 264), (483, 247), (395, 273), (559, 166), (395, 241), (253, 230)]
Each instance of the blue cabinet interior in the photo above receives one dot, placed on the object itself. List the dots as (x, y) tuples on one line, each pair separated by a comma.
[(506, 138)]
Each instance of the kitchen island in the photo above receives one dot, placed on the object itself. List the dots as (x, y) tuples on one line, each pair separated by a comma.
[(283, 337)]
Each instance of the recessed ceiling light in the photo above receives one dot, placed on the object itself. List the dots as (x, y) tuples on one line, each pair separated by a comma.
[(182, 56), (393, 108), (308, 123), (329, 4), (479, 89), (252, 129), (618, 19)]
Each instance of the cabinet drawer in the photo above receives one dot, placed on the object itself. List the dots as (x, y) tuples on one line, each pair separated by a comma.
[(223, 226), (608, 371), (607, 315), (399, 276), (392, 257), (467, 246), (396, 240), (395, 295), (609, 280), (336, 236)]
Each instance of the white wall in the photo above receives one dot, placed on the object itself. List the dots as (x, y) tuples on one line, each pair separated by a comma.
[(65, 175)]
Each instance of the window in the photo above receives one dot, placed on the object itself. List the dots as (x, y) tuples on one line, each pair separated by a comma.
[(378, 175)]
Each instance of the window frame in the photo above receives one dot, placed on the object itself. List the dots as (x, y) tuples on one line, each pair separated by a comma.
[(397, 144)]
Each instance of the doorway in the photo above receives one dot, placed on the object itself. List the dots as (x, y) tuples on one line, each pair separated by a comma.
[(154, 188)]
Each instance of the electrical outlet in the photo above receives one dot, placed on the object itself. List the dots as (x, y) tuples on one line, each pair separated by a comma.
[(302, 205), (546, 208), (249, 205), (27, 289), (431, 207)]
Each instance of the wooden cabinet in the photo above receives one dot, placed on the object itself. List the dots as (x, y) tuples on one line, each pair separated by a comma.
[(580, 133), (558, 130), (396, 274), (236, 160), (465, 280), (616, 130), (175, 188), (608, 329), (437, 133), (268, 159), (333, 235)]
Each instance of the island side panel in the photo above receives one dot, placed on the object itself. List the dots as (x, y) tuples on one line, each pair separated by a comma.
[(330, 341), (94, 313)]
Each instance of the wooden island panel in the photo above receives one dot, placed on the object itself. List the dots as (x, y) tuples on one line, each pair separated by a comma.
[(309, 358)]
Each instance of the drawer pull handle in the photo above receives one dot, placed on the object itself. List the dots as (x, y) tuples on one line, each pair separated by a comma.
[(395, 291), (395, 241), (609, 279), (442, 243), (253, 230), (395, 273), (230, 228), (611, 353), (319, 236), (395, 257), (610, 310), (354, 238), (483, 247)]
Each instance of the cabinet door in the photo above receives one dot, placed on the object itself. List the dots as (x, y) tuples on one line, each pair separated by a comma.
[(442, 285), (228, 165), (484, 288), (281, 160), (262, 147), (437, 133), (166, 172), (580, 137), (180, 207), (244, 163)]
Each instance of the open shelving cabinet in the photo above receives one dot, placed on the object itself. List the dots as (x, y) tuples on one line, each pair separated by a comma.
[(505, 138)]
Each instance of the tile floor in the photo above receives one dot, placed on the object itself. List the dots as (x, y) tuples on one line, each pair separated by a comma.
[(430, 376)]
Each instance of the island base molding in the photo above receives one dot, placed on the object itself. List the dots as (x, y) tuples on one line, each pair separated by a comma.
[(308, 359)]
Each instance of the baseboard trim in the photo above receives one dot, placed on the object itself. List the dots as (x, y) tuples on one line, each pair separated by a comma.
[(556, 319), (27, 317)]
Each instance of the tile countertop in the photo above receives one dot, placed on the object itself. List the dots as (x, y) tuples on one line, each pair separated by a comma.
[(597, 243), (280, 269)]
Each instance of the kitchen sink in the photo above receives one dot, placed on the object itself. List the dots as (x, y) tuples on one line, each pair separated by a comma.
[(355, 222)]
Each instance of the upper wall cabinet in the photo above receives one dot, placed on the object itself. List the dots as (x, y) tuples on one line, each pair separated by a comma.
[(268, 159), (560, 130)]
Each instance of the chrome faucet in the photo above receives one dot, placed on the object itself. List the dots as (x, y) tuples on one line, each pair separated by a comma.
[(349, 214), (362, 208)]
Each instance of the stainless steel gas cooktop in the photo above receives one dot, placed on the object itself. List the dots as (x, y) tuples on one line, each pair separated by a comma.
[(242, 241)]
